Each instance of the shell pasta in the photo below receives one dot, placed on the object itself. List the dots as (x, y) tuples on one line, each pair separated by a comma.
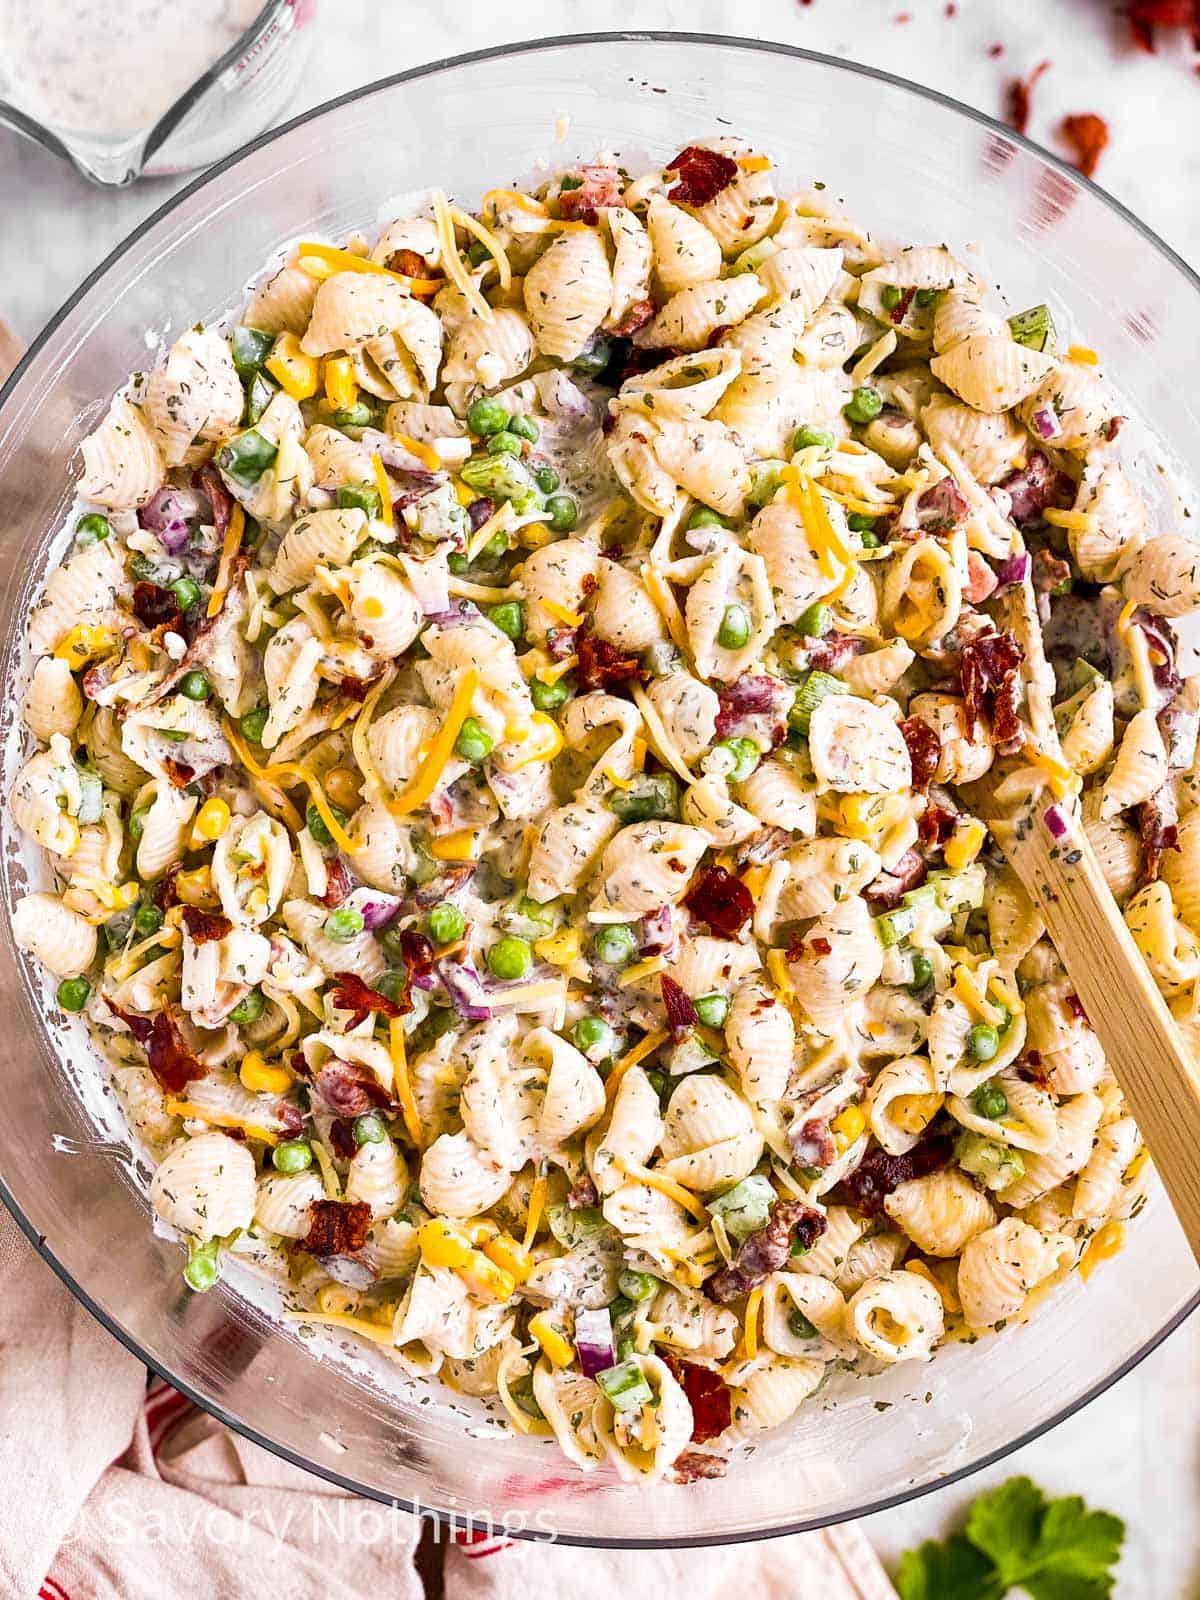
[(501, 741)]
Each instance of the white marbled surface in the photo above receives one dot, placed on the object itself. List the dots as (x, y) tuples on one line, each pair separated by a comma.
[(1137, 1449)]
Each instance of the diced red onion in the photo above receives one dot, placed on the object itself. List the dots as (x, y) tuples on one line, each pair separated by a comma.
[(467, 994), (594, 1341), (379, 911), (1013, 569), (168, 514), (1045, 423), (1056, 823)]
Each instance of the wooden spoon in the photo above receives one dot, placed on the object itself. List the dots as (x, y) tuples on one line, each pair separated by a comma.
[(1046, 847)]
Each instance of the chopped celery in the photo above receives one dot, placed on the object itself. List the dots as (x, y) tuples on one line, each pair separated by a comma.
[(625, 1387), (996, 1165), (959, 891), (91, 798), (505, 478), (813, 688), (746, 1207), (1035, 329), (654, 797), (895, 926), (753, 257), (569, 1226)]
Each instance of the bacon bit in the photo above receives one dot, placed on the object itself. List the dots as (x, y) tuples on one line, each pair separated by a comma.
[(702, 175), (900, 310), (479, 512), (205, 926), (1075, 1007), (179, 772), (766, 1250), (560, 643), (935, 825), (924, 751), (1164, 649), (878, 1174), (156, 608), (830, 653), (417, 950), (691, 1465), (409, 263), (681, 1013), (941, 507), (336, 1227), (636, 361), (1158, 824), (887, 888), (1113, 427), (348, 1088), (445, 885), (219, 498), (981, 580), (341, 1137), (995, 50), (351, 994), (602, 665), (583, 1195), (338, 884), (720, 900), (951, 9), (988, 670), (820, 946), (1146, 15), (813, 1144), (709, 1396), (639, 314), (601, 187), (1087, 134), (171, 1061), (1036, 486), (1019, 98), (356, 689), (751, 698)]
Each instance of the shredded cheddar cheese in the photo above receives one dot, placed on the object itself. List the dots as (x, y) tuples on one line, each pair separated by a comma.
[(425, 782), (452, 261), (488, 239), (313, 257), (645, 1047), (384, 486), (403, 1085), (234, 534), (673, 1191)]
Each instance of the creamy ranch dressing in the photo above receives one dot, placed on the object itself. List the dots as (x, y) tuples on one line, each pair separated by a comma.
[(111, 67)]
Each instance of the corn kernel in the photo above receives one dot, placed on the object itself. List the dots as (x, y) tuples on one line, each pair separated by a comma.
[(534, 535), (964, 845), (212, 820), (70, 837), (505, 1252), (443, 1245), (85, 643), (486, 1280), (196, 888), (559, 949), (341, 389), (554, 1343), (296, 373), (848, 1126), (260, 1078), (343, 788), (912, 1113), (463, 845), (372, 608), (479, 1230)]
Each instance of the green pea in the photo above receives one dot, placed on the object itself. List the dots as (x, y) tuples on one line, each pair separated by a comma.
[(194, 686), (592, 1033), (636, 1286), (147, 919), (446, 923), (137, 821), (858, 523), (253, 723), (505, 443), (870, 540), (369, 1128), (510, 958), (990, 1101), (705, 517), (73, 993), (746, 756), (343, 924), (922, 972), (186, 592), (360, 497), (249, 1008), (457, 564), (91, 528), (591, 362), (203, 1265), (393, 985), (799, 1324), (804, 438), (293, 1155), (247, 456), (658, 1081), (734, 631), (315, 823), (509, 617), (549, 696), (712, 1009), (542, 916), (492, 551), (478, 253), (864, 405), (487, 416), (564, 513), (547, 479), (815, 621), (474, 742), (614, 944), (890, 296), (983, 1042), (525, 428), (356, 416), (651, 797), (926, 297)]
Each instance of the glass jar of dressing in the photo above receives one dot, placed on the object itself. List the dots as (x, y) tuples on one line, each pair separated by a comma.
[(126, 87)]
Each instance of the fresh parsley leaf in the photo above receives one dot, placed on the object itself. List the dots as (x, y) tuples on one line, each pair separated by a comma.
[(954, 1570), (1052, 1550)]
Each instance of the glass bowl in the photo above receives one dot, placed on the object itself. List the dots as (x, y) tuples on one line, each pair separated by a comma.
[(908, 163)]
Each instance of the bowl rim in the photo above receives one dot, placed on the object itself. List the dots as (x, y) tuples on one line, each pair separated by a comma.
[(448, 1518)]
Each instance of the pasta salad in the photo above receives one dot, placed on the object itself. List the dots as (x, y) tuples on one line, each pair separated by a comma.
[(507, 739)]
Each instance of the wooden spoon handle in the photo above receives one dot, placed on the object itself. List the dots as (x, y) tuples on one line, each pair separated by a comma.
[(1141, 1039)]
